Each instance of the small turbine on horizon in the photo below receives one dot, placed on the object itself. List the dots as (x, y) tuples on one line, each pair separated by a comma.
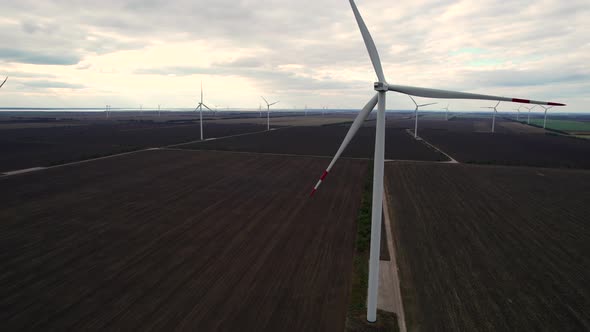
[(268, 112), (545, 119), (416, 115), (495, 108), (518, 112), (200, 108), (446, 112), (528, 121)]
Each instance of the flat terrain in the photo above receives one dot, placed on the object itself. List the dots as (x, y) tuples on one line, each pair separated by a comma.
[(33, 147), (166, 240), (324, 141), (512, 149), (484, 248)]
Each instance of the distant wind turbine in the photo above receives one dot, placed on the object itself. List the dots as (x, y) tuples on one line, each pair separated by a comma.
[(158, 110), (1, 85), (495, 108), (446, 112), (528, 121), (416, 115), (382, 87), (545, 120), (518, 112), (268, 112), (200, 107)]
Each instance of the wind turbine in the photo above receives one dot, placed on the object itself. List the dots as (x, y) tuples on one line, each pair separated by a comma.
[(528, 121), (107, 109), (260, 110), (447, 112), (158, 110), (200, 107), (416, 115), (1, 85), (382, 87), (518, 112), (545, 120), (493, 116), (268, 112)]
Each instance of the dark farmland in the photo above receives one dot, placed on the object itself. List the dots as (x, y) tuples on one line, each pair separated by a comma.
[(324, 141), (484, 248), (33, 147), (512, 149), (171, 240)]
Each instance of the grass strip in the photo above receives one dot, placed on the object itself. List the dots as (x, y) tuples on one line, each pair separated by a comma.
[(356, 319)]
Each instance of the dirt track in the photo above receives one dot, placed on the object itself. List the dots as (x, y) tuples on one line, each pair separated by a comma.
[(179, 240)]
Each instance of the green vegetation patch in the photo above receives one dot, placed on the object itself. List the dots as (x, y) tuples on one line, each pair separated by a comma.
[(356, 319), (563, 125)]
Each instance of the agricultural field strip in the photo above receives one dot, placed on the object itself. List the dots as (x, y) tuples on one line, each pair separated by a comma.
[(308, 156), (451, 161), (295, 274), (398, 305), (34, 169)]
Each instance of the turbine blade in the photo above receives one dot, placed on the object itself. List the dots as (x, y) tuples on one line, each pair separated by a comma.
[(358, 121), (201, 91), (207, 107), (264, 100), (369, 43), (1, 85), (449, 94), (276, 102)]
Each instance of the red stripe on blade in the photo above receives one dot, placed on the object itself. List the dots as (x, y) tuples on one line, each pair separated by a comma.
[(555, 104), (312, 192), (324, 175), (516, 100)]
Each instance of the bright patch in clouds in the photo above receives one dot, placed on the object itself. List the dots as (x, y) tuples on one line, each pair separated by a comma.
[(74, 53)]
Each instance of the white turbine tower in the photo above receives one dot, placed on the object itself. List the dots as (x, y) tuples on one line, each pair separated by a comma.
[(158, 110), (200, 108), (416, 115), (260, 110), (268, 105), (545, 119), (106, 111), (493, 115), (528, 121), (1, 85), (446, 112), (382, 87)]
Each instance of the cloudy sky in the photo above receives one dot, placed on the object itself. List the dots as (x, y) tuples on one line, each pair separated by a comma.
[(68, 53)]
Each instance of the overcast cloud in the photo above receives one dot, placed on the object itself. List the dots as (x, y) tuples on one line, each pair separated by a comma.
[(67, 53)]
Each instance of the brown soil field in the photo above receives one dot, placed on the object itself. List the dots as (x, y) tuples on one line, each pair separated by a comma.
[(324, 141), (511, 149), (34, 147), (315, 120), (484, 248), (179, 240)]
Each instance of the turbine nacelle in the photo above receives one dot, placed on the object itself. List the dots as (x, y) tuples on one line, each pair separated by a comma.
[(381, 86)]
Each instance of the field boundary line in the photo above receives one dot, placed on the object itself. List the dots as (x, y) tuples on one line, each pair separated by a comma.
[(222, 137), (264, 153), (397, 295), (452, 160), (36, 169)]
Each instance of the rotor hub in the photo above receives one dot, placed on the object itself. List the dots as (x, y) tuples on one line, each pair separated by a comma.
[(381, 86)]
